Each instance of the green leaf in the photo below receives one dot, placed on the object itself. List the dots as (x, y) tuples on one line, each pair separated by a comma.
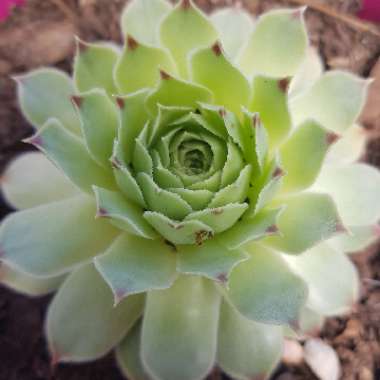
[(234, 26), (236, 192), (94, 65), (350, 147), (24, 183), (134, 265), (27, 284), (122, 213), (329, 294), (308, 219), (141, 160), (133, 117), (197, 199), (44, 241), (166, 202), (302, 155), (357, 239), (247, 350), (180, 323), (138, 66), (328, 103), (128, 355), (69, 153), (264, 289), (212, 119), (228, 85), (211, 259), (82, 322), (99, 123), (233, 166), (141, 19), (355, 189), (277, 45), (184, 29), (186, 232), (220, 218), (270, 102), (252, 228), (175, 92), (45, 93), (211, 184)]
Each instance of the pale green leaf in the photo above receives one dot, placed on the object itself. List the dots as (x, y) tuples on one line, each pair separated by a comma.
[(277, 45), (82, 322), (264, 288), (31, 180), (179, 333), (45, 93), (247, 350), (44, 241)]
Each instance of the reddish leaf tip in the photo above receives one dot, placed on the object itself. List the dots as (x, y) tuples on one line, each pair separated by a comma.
[(120, 102), (222, 277), (81, 45), (185, 4), (76, 100), (283, 85), (119, 294), (272, 229), (297, 14), (132, 43), (101, 213), (115, 163), (164, 75), (339, 227), (256, 120), (222, 112), (35, 140), (278, 172), (332, 138), (376, 232), (217, 49)]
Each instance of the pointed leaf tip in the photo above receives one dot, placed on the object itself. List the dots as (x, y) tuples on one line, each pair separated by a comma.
[(35, 140), (81, 45), (332, 138), (222, 278), (120, 102), (185, 4), (272, 229), (217, 49), (164, 75), (278, 172), (101, 213), (77, 100), (132, 44), (256, 120), (283, 84), (299, 12)]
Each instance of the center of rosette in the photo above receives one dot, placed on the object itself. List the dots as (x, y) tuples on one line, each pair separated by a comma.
[(195, 157)]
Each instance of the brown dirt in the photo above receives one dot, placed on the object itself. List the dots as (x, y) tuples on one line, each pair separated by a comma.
[(41, 33)]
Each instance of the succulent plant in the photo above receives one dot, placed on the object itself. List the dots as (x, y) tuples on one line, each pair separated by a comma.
[(210, 190)]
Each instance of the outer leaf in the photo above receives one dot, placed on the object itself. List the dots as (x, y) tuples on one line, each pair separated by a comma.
[(45, 93), (327, 101), (302, 155), (99, 122), (141, 19), (252, 228), (44, 241), (184, 29), (357, 239), (135, 265), (186, 232), (69, 153), (265, 290), (308, 219), (84, 298), (277, 44), (247, 350), (270, 101), (122, 213), (234, 26), (230, 88), (181, 324), (212, 260), (94, 65), (128, 355), (329, 294), (138, 67), (175, 92), (355, 189), (27, 284), (24, 182)]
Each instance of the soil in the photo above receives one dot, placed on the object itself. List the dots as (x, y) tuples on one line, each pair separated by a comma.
[(41, 33)]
